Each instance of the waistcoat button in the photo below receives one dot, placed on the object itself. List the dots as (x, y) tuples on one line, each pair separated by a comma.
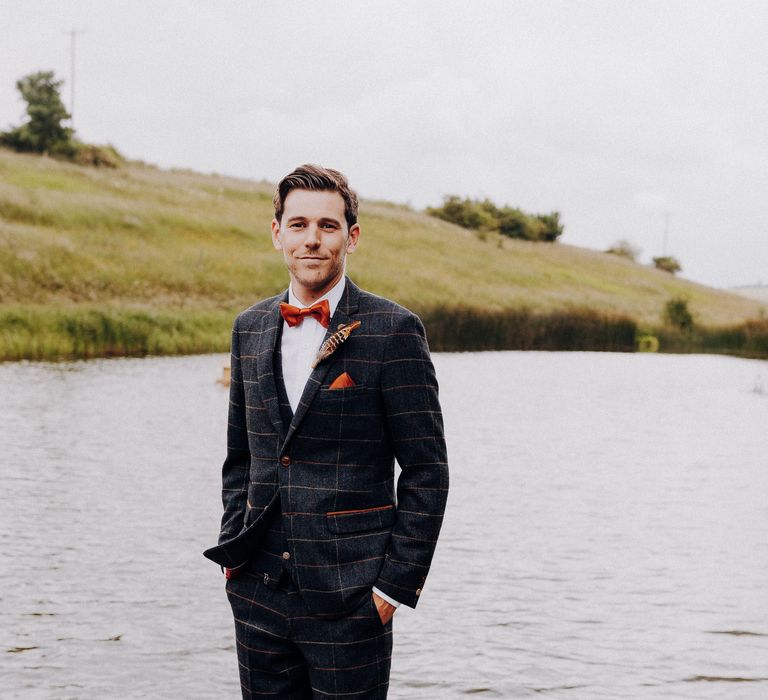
[(285, 460)]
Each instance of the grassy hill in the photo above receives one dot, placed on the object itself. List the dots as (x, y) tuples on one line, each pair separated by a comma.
[(106, 253)]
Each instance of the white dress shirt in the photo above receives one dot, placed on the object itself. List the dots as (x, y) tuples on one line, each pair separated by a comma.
[(299, 345)]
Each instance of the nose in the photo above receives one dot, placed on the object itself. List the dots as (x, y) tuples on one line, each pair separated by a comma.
[(312, 238)]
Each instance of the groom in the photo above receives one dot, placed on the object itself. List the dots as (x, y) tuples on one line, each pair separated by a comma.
[(330, 384)]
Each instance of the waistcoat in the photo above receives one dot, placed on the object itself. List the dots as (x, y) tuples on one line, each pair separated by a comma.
[(268, 560)]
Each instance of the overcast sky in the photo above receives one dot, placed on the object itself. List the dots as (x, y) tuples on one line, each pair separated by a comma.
[(616, 114)]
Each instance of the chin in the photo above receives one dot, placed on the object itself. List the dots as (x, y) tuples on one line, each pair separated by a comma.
[(313, 283)]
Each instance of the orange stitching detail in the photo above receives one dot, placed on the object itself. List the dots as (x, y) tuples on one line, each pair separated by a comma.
[(362, 510)]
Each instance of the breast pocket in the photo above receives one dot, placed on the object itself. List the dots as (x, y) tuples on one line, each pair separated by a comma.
[(354, 416), (346, 394)]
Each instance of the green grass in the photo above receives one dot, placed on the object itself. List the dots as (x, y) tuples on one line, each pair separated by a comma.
[(163, 256), (82, 332)]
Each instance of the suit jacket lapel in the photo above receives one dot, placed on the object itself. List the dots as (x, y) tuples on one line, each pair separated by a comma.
[(347, 306), (270, 332)]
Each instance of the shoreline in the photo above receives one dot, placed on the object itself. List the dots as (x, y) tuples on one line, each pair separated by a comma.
[(80, 333)]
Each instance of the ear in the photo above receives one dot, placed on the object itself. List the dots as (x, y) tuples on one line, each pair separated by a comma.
[(352, 238), (276, 241)]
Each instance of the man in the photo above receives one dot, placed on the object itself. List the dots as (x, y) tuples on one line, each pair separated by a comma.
[(330, 385)]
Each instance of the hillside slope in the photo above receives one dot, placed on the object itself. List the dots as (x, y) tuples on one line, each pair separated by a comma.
[(144, 239)]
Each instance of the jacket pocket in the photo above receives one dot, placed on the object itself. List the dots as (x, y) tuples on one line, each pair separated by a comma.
[(378, 518), (328, 394)]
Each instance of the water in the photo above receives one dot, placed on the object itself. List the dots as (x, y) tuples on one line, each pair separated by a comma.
[(605, 534)]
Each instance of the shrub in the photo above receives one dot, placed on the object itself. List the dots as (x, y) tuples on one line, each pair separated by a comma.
[(548, 227), (484, 215), (647, 343), (677, 314), (668, 264), (624, 249), (99, 156), (463, 212)]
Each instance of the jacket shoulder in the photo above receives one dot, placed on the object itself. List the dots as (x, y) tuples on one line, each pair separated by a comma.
[(255, 314), (385, 312)]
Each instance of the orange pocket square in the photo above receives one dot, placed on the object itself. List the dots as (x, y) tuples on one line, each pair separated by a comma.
[(343, 381)]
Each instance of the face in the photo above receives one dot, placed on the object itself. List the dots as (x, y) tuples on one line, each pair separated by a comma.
[(315, 241)]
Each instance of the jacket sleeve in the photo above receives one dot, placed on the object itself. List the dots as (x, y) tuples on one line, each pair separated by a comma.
[(234, 491), (414, 419)]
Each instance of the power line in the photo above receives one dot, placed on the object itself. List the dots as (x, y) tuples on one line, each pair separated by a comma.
[(666, 233), (72, 40)]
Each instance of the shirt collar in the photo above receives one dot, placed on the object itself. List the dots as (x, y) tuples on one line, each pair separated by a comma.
[(333, 295)]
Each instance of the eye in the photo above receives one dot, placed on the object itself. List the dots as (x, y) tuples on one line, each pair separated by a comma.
[(328, 226), (297, 224)]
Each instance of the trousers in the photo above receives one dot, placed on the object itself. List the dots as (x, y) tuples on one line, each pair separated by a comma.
[(286, 652)]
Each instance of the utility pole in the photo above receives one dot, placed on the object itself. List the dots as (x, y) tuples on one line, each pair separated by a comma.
[(72, 40)]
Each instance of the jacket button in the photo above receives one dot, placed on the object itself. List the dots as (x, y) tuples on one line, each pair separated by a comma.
[(418, 591), (285, 460), (286, 555)]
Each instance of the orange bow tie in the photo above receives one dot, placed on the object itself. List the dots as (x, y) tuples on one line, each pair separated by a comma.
[(293, 315)]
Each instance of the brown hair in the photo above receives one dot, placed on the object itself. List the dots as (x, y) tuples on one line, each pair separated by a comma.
[(315, 177)]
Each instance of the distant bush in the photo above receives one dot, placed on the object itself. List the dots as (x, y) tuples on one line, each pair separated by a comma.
[(624, 249), (677, 314), (647, 342), (99, 156), (484, 215), (668, 264)]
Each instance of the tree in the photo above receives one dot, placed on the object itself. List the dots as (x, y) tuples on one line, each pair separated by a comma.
[(44, 132), (623, 248), (668, 264)]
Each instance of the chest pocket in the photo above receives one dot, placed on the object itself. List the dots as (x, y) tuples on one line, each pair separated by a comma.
[(346, 394)]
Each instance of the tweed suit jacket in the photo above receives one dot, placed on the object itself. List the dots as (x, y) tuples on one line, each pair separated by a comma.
[(331, 470)]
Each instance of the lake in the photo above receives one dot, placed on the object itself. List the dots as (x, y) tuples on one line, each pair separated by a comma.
[(606, 533)]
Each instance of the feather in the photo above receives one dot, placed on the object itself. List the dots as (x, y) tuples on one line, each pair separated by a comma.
[(332, 343)]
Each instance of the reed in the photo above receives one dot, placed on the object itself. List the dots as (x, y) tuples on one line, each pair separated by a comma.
[(747, 339), (80, 333), (463, 328), (42, 333)]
